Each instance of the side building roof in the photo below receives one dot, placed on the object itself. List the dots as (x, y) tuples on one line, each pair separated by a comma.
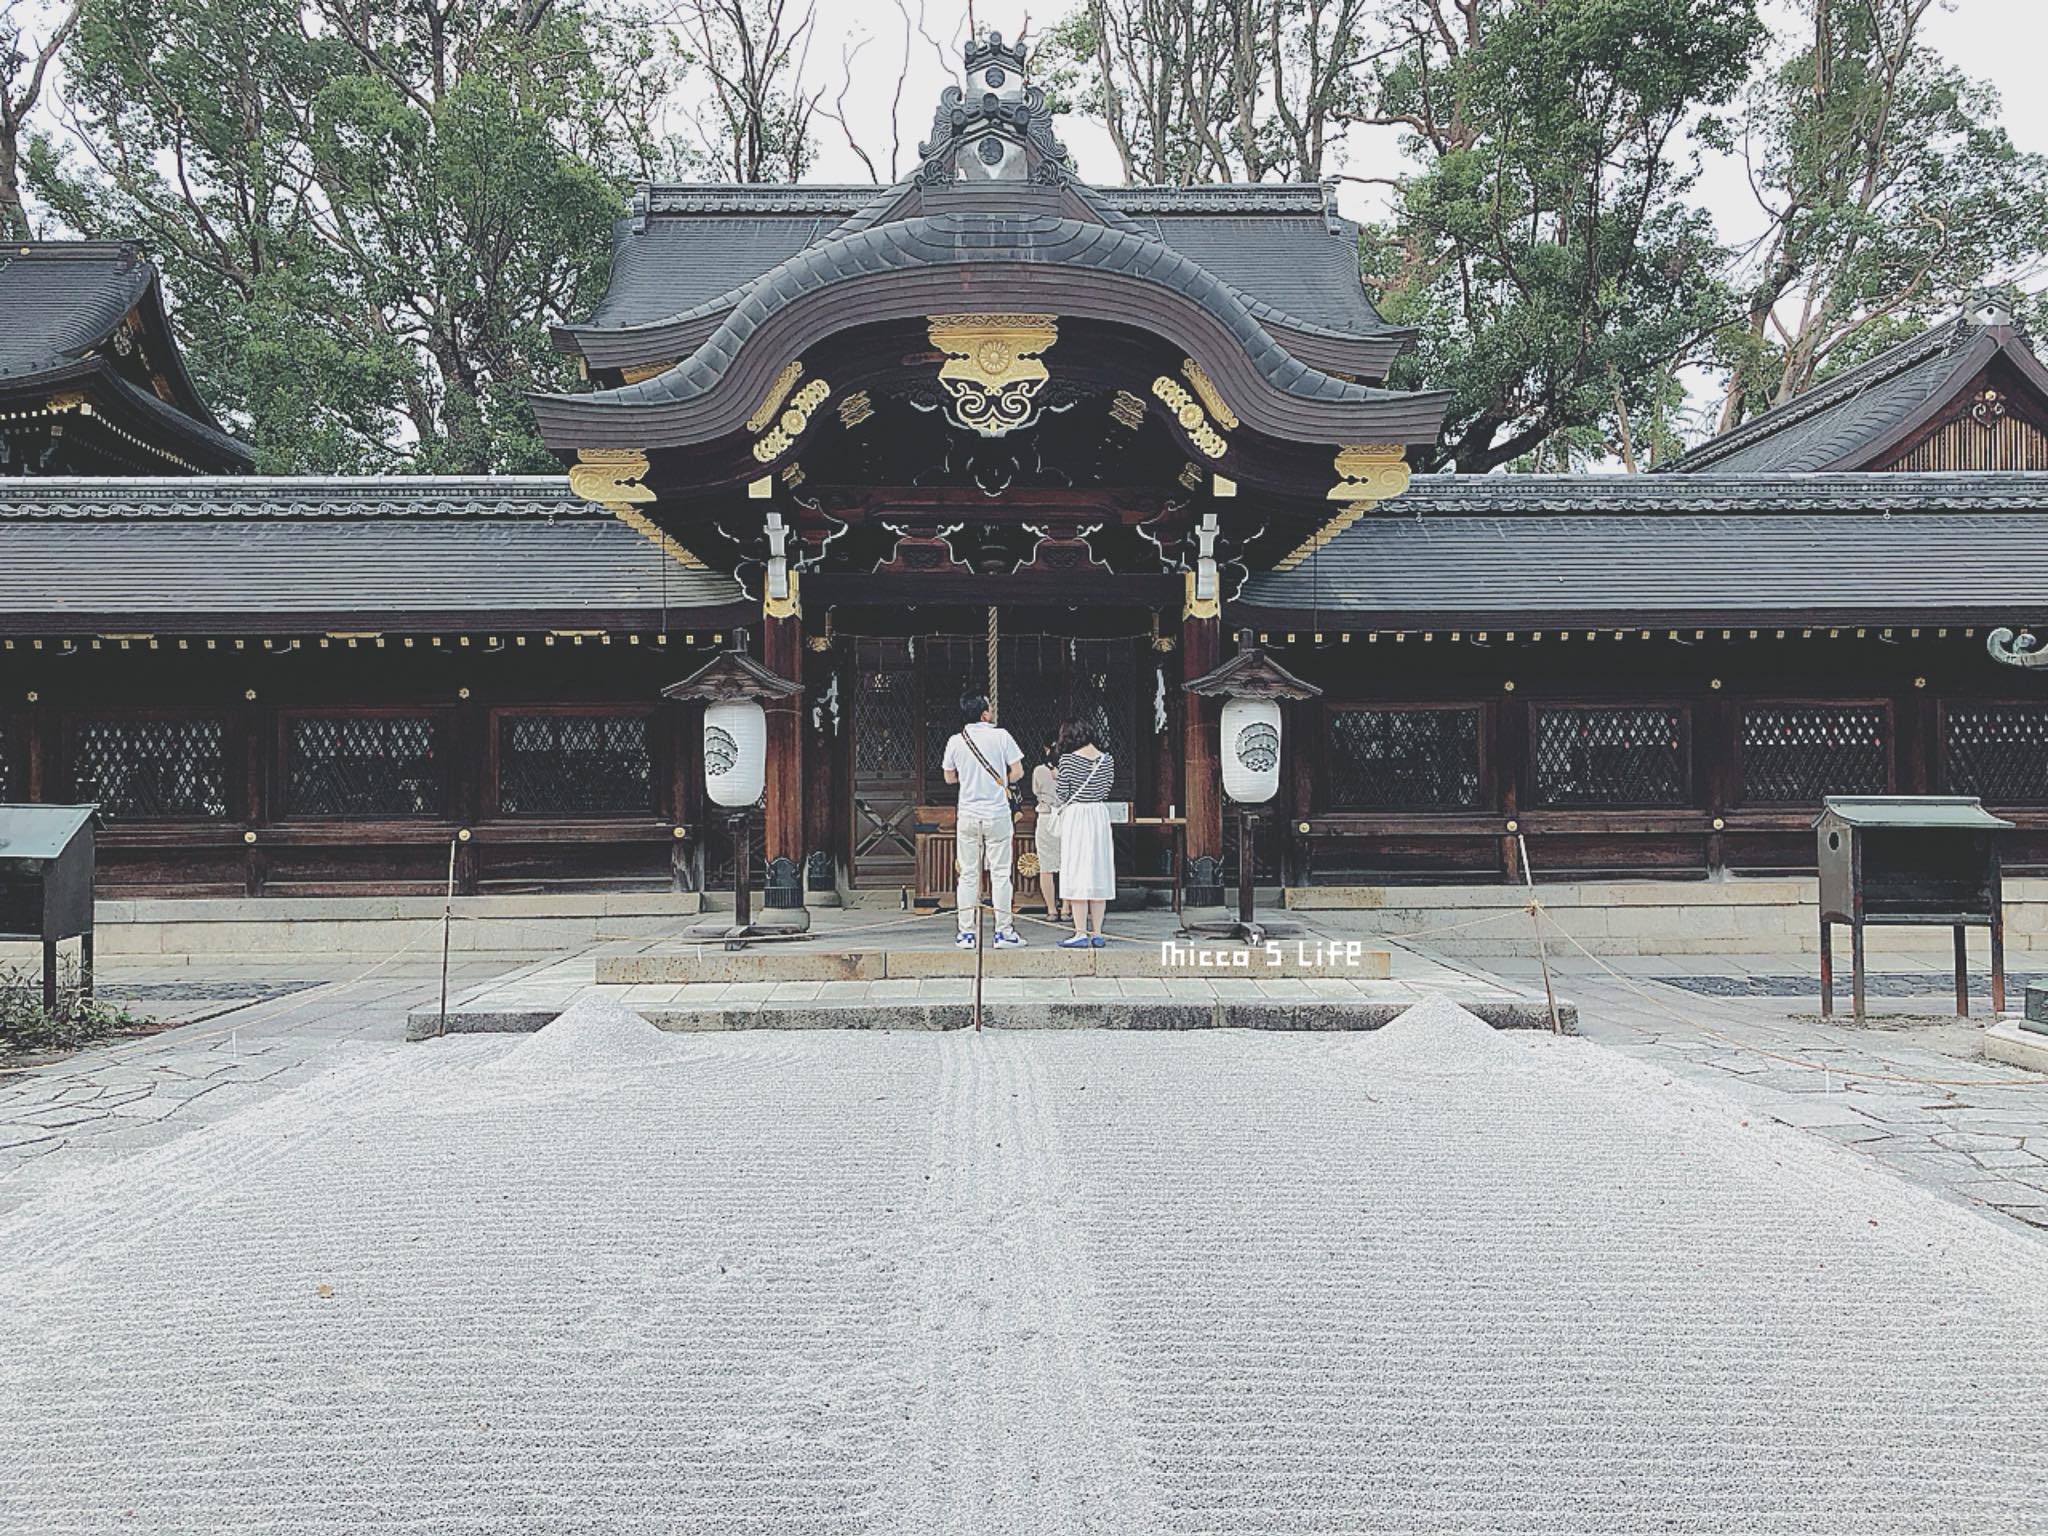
[(1568, 551), (84, 339), (1863, 417), (280, 556)]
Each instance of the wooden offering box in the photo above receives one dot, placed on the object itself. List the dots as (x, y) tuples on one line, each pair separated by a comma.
[(1909, 859)]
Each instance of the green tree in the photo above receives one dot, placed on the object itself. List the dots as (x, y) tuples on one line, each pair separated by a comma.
[(1545, 247), (27, 50), (1890, 192), (368, 213), (1213, 90)]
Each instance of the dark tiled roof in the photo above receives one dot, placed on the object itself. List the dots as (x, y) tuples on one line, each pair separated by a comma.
[(249, 552), (1505, 549), (1282, 245), (60, 300), (1842, 422), (62, 304), (1037, 242)]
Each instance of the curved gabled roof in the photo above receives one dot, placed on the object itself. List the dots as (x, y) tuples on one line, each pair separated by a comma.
[(1849, 421), (65, 308), (688, 252), (1004, 250)]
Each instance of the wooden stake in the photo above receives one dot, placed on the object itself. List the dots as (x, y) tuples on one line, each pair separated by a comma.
[(1536, 921), (447, 922)]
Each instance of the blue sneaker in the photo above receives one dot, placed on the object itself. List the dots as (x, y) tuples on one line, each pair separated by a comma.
[(1097, 941), (1009, 938), (965, 941), (1077, 941)]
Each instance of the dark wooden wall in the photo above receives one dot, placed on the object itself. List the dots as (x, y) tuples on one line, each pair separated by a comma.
[(1761, 729), (243, 829)]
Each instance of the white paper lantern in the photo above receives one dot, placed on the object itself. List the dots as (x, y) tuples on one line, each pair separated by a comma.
[(1251, 750), (735, 752)]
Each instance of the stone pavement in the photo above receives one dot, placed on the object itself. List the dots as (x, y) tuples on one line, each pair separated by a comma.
[(1909, 1088), (250, 1033)]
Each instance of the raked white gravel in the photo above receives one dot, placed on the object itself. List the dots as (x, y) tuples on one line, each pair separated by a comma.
[(599, 1280)]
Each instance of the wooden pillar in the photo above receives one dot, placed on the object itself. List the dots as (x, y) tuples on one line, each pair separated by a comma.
[(472, 789), (1201, 652), (782, 653), (1304, 739), (40, 767), (689, 866), (1508, 745), (822, 724), (1715, 726), (668, 720), (259, 733)]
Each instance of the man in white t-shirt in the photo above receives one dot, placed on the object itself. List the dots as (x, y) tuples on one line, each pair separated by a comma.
[(983, 760)]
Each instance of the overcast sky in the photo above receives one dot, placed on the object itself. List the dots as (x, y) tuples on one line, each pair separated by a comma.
[(2002, 41)]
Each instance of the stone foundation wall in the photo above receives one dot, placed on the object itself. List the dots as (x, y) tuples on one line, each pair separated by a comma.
[(1649, 917), (167, 931)]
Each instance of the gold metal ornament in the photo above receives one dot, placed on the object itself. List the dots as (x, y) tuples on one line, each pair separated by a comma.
[(1194, 607), (1194, 421), (1367, 475), (1210, 396), (993, 371), (1127, 410), (1370, 472), (640, 373), (856, 408), (789, 607), (771, 403), (791, 424), (646, 527), (610, 475)]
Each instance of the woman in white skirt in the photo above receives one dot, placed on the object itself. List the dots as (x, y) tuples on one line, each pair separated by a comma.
[(1045, 835), (1087, 857)]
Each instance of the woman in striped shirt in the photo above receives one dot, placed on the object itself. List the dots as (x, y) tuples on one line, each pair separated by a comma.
[(1087, 858)]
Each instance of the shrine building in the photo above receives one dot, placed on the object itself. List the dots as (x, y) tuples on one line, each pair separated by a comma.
[(996, 429)]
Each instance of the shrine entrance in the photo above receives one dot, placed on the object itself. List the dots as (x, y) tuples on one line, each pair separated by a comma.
[(905, 692)]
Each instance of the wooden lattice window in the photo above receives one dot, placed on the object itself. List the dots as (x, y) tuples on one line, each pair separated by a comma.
[(154, 768), (1611, 756), (363, 766), (574, 765), (1997, 751), (1799, 754), (1404, 759)]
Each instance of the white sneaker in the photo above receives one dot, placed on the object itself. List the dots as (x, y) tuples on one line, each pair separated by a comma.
[(1009, 938), (965, 941)]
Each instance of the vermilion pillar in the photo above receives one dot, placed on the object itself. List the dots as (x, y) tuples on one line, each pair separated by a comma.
[(1201, 651), (782, 650)]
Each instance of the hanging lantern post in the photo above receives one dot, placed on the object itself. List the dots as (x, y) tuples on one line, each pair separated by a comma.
[(1252, 686), (733, 688)]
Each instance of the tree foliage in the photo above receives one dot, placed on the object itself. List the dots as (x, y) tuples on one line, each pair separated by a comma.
[(369, 213), (1213, 90), (1890, 192), (31, 37), (1546, 248)]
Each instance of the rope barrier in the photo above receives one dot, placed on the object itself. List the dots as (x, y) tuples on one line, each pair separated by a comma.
[(1543, 915)]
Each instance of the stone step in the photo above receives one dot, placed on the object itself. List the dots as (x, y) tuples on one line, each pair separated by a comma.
[(1190, 960), (1128, 1013)]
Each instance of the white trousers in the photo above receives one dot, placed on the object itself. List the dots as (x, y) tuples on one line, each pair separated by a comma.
[(984, 842)]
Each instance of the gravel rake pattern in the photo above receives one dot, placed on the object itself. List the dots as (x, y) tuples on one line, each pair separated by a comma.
[(1430, 1279)]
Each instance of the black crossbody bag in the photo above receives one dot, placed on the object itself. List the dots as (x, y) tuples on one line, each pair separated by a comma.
[(1009, 790)]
